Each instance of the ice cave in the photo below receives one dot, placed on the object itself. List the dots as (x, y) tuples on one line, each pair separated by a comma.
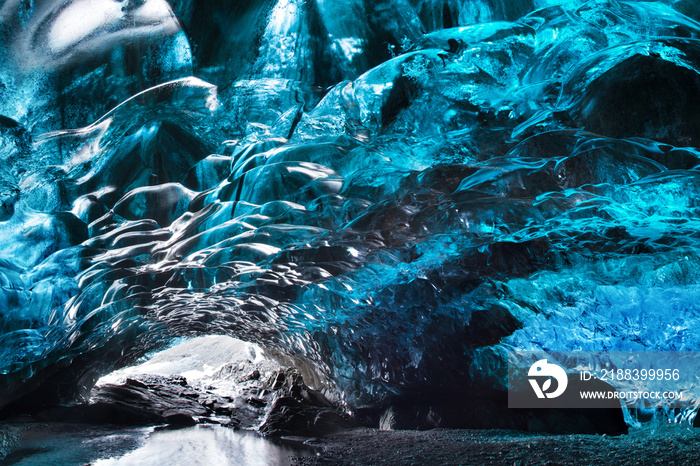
[(251, 225)]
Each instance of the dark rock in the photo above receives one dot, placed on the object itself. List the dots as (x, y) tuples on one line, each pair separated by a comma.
[(216, 405), (299, 410), (255, 375), (180, 419), (291, 416), (282, 402), (120, 413), (136, 383), (149, 400), (155, 380), (257, 402)]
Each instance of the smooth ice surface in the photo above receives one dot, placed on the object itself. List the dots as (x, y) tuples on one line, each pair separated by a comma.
[(396, 192)]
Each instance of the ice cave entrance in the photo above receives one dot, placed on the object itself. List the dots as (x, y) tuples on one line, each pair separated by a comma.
[(215, 363)]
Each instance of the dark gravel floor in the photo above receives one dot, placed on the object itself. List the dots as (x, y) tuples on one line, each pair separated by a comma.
[(668, 445)]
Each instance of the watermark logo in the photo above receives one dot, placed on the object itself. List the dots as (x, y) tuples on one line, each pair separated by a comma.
[(542, 369), (603, 379)]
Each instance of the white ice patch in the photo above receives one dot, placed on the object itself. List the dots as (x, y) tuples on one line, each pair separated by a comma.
[(83, 19), (351, 47), (80, 19), (197, 359)]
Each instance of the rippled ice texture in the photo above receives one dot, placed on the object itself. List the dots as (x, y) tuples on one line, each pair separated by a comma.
[(397, 192)]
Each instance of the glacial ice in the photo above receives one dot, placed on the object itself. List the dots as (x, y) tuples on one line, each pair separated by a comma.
[(396, 192)]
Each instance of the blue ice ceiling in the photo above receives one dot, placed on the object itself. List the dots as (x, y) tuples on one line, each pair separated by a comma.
[(397, 192)]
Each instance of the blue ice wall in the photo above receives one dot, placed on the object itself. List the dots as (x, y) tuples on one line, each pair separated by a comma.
[(396, 191)]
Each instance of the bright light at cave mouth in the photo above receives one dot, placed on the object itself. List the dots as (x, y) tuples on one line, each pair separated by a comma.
[(200, 360)]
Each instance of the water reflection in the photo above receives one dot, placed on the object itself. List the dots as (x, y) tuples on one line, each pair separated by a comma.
[(205, 445), (74, 445)]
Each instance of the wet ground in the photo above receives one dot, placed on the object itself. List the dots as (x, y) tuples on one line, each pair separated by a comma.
[(36, 444)]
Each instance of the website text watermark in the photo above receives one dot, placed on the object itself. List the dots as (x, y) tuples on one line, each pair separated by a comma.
[(600, 379)]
